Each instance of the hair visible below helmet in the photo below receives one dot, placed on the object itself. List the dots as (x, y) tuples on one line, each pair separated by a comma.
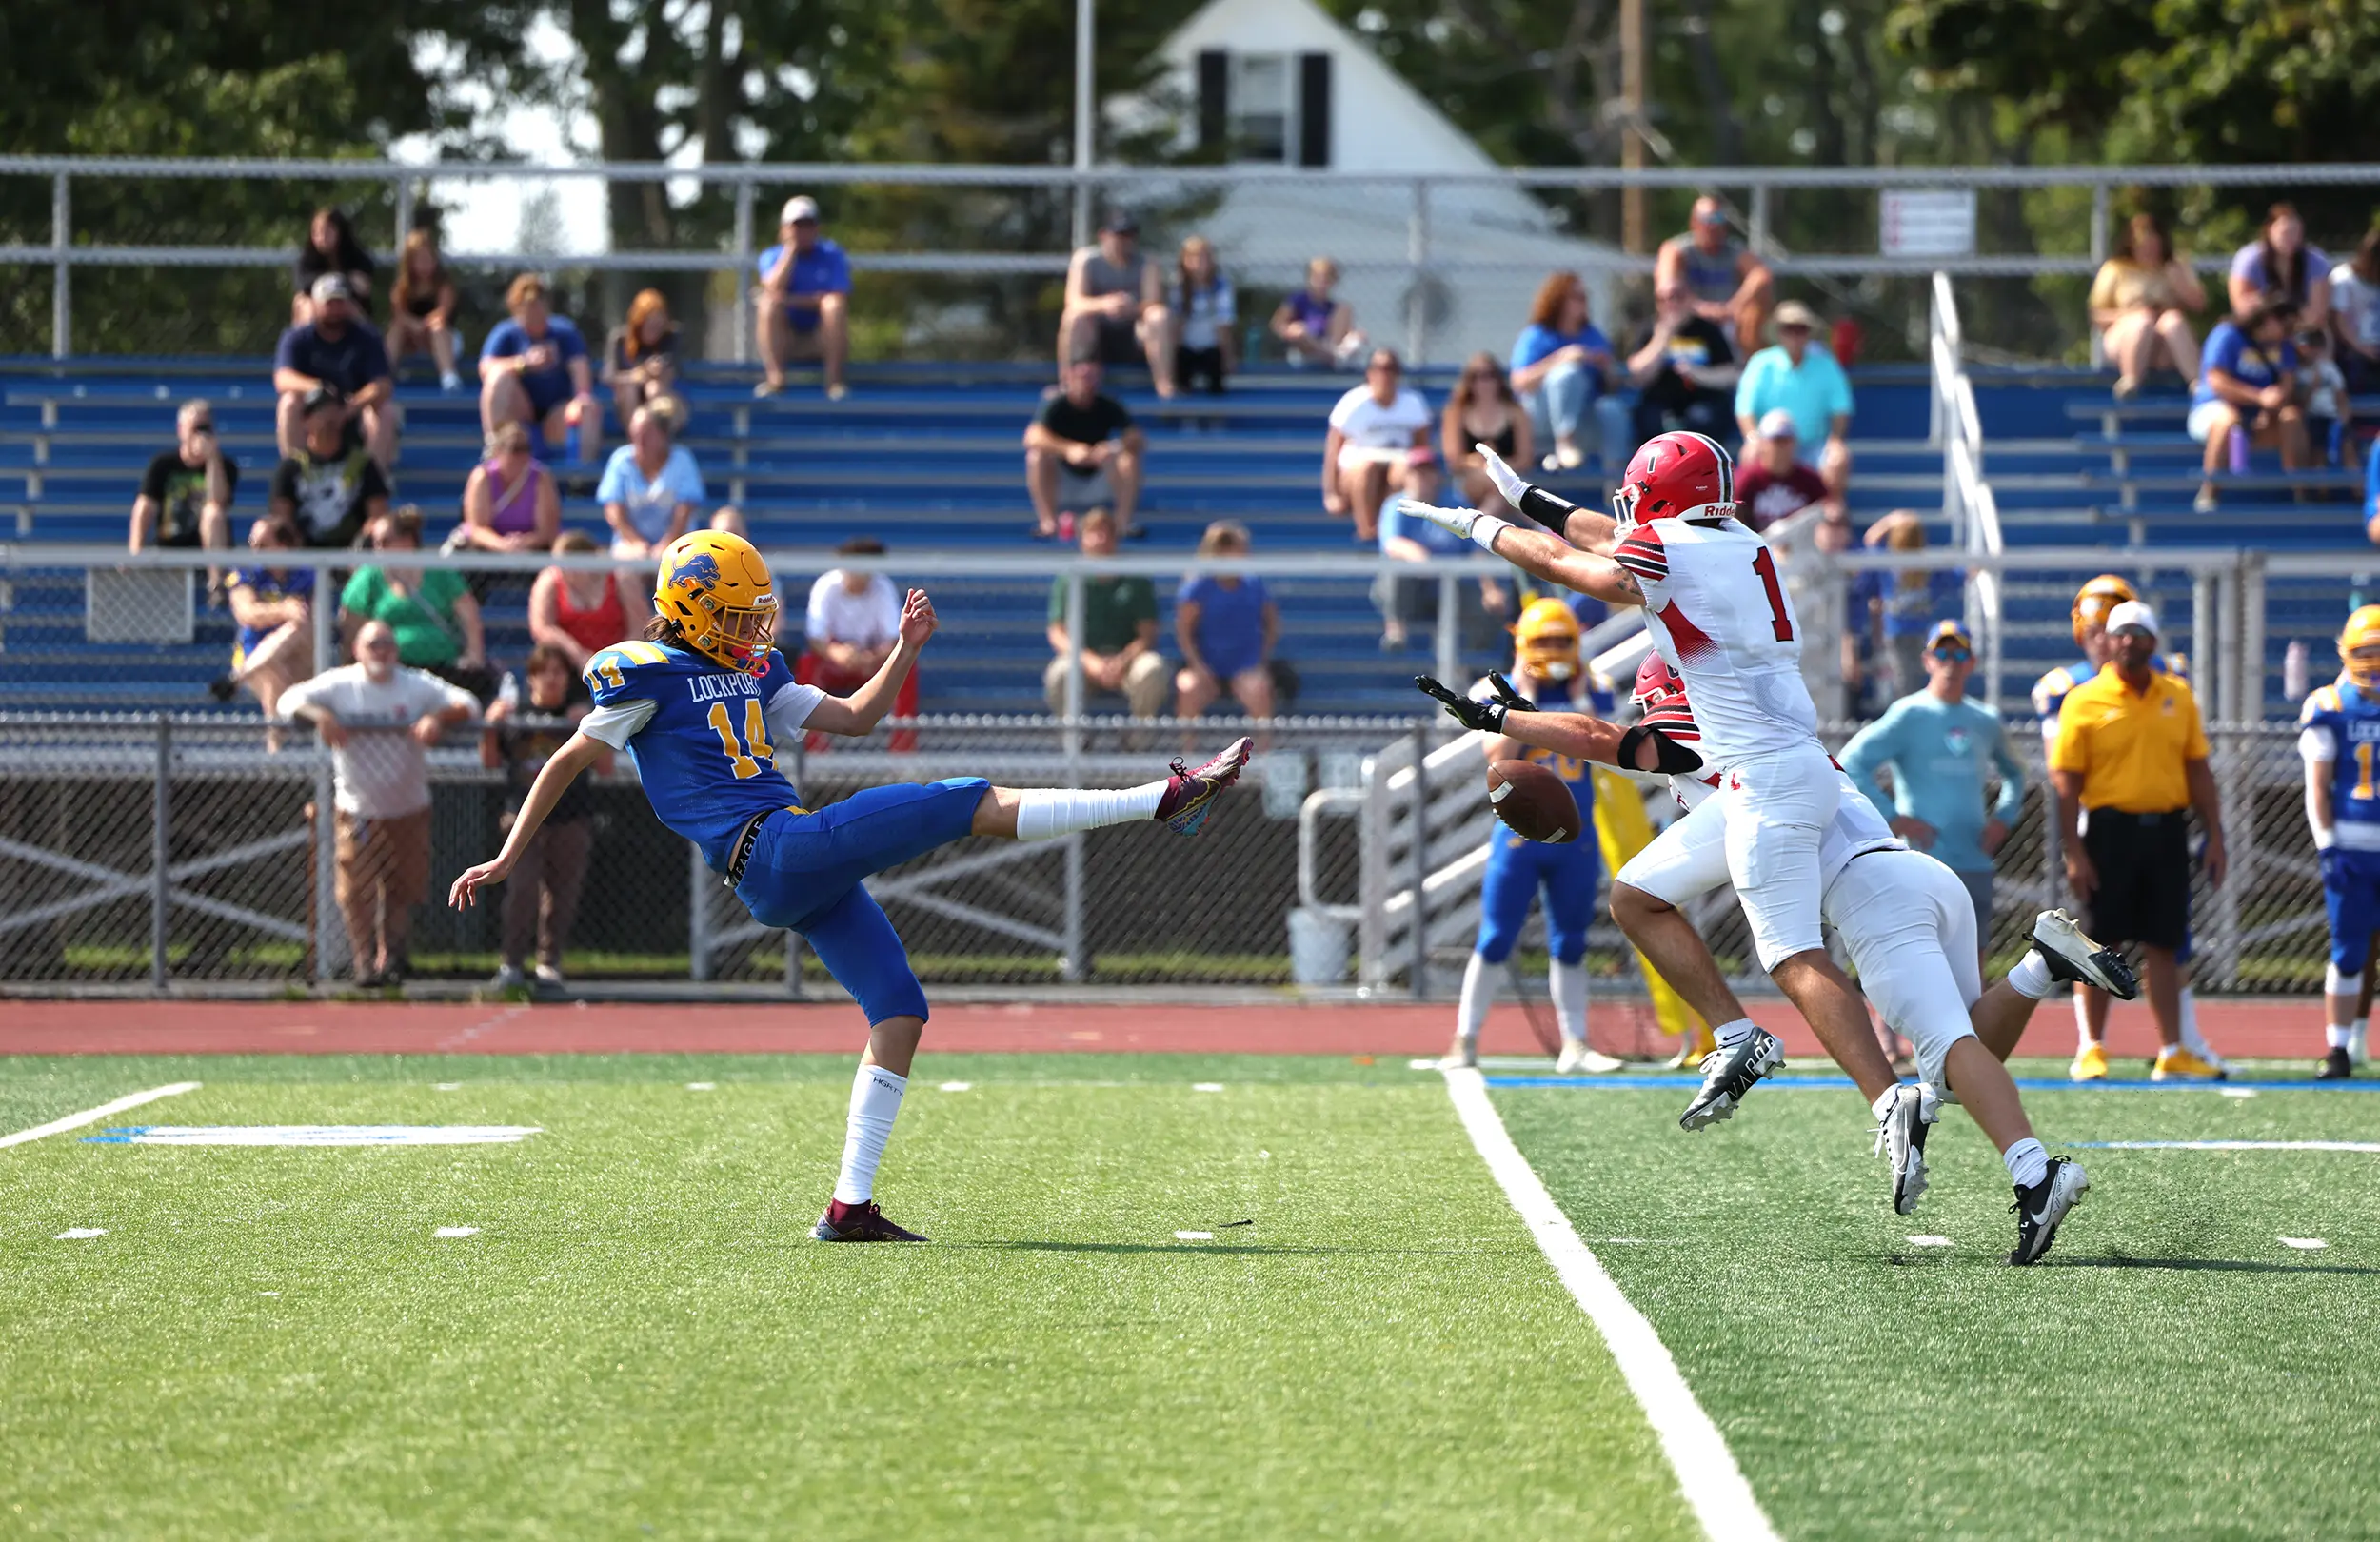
[(2359, 647), (2095, 599), (1676, 475), (1546, 640), (713, 584), (1655, 681)]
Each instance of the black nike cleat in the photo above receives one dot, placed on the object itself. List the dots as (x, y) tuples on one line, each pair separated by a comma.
[(1727, 1074), (2337, 1066), (861, 1222), (1190, 794), (2040, 1207), (2072, 957)]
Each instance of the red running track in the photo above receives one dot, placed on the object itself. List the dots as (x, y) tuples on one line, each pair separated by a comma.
[(2276, 1029)]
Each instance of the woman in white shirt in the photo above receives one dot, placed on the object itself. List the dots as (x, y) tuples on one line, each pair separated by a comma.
[(1375, 431), (1201, 300), (651, 487)]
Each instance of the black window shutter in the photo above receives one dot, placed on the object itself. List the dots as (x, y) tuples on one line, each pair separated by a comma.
[(1314, 109), (1214, 102)]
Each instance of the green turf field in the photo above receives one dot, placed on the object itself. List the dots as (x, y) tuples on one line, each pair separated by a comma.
[(641, 1341)]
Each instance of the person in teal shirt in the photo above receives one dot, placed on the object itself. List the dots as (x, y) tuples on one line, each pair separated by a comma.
[(1940, 746)]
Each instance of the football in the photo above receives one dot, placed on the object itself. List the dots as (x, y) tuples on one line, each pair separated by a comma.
[(1533, 802)]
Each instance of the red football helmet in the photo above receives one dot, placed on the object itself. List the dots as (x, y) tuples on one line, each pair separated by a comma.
[(1655, 681), (1676, 475)]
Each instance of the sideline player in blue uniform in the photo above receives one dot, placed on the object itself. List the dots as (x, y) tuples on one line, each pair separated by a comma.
[(2340, 737), (2090, 616), (1547, 671), (702, 703)]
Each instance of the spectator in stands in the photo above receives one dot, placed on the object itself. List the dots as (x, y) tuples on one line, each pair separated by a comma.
[(542, 894), (653, 489), (421, 308), (337, 348), (274, 609), (379, 719), (1226, 626), (640, 357), (1315, 331), (2248, 381), (2142, 300), (1407, 602), (578, 614), (1772, 483), (1807, 383), (1082, 451), (533, 369), (1729, 284), (2329, 416), (1684, 371), (1201, 300), (2279, 265), (330, 491), (851, 627), (185, 494), (1900, 609), (804, 302), (1118, 632), (330, 248), (1483, 409), (2355, 314), (1380, 430), (1561, 363), (1116, 305), (429, 610), (510, 501)]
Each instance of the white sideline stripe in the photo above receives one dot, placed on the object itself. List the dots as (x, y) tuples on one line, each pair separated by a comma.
[(1714, 1485), (92, 1116)]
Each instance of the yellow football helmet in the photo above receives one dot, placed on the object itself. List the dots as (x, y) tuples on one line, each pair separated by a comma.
[(1547, 640), (2095, 599), (2359, 647), (714, 586)]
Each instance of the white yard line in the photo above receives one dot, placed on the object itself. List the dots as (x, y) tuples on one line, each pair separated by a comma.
[(92, 1116), (1707, 1473)]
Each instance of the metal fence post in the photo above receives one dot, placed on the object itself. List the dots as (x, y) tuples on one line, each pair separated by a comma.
[(698, 923), (61, 285), (1078, 615), (2098, 255), (1758, 234), (1417, 274), (159, 854), (330, 926), (2248, 691), (405, 210), (747, 316), (1071, 966), (1449, 626), (1417, 975)]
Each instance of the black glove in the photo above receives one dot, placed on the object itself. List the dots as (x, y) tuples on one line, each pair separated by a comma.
[(1670, 758), (1488, 716)]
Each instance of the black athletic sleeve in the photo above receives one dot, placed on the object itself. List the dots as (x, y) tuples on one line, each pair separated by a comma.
[(1549, 509)]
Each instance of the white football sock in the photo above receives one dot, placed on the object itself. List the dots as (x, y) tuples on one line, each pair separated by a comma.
[(875, 1101), (2193, 1039), (2338, 1035), (2031, 977), (2027, 1164), (1046, 813), (1732, 1034), (2082, 1024), (1478, 994), (1568, 981)]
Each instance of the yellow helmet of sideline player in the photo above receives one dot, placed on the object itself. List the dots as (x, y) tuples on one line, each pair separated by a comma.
[(1546, 639), (2095, 599), (714, 586), (2359, 647)]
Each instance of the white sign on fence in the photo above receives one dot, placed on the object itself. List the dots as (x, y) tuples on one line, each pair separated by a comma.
[(1926, 223)]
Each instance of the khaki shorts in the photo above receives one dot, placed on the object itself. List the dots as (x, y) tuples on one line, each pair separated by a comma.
[(391, 855)]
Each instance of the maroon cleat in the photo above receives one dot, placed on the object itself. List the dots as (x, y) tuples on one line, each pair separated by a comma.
[(861, 1222), (1190, 794)]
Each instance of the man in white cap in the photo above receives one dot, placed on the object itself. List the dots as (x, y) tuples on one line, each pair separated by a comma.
[(802, 299), (2130, 762), (1808, 386), (1774, 484)]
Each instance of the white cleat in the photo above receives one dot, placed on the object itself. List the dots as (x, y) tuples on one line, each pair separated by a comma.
[(1463, 1057), (1727, 1075), (2040, 1207), (1904, 1114), (1576, 1060)]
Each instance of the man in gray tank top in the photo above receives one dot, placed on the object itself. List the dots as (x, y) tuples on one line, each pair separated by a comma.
[(1116, 306), (1729, 283)]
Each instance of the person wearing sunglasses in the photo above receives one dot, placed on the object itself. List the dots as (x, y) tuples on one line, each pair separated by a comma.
[(185, 494)]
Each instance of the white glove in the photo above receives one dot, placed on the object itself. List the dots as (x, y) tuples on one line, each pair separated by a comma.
[(1457, 520), (1508, 481)]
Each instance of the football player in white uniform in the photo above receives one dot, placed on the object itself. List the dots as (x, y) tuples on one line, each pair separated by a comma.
[(1719, 613)]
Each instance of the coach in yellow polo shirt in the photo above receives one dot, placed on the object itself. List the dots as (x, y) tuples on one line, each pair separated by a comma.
[(2131, 755)]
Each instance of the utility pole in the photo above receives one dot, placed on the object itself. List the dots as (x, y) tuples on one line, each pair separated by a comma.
[(1632, 234), (1085, 37)]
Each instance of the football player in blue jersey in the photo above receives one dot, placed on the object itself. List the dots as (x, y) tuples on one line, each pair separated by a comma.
[(1547, 674), (700, 705), (2339, 737), (2090, 616)]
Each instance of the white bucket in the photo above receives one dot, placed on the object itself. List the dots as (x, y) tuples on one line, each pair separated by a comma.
[(1317, 948)]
